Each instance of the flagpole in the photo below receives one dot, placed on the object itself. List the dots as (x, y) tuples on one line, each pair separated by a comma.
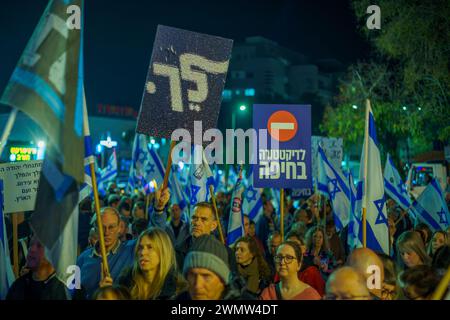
[(99, 221), (15, 245), (442, 287), (169, 165), (8, 128), (324, 212), (282, 212), (216, 212), (147, 204), (366, 159)]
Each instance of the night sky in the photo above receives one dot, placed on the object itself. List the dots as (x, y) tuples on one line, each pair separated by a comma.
[(119, 35)]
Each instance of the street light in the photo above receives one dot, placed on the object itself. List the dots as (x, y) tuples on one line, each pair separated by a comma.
[(243, 107), (355, 106)]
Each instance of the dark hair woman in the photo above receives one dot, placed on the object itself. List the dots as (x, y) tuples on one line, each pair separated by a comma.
[(251, 264)]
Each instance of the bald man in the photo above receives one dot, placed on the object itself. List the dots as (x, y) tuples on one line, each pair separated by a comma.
[(370, 267), (346, 284)]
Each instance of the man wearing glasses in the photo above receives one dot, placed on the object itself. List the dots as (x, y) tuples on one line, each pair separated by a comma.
[(119, 254)]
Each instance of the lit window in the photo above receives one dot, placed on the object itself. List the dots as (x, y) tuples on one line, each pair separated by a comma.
[(227, 94), (250, 92)]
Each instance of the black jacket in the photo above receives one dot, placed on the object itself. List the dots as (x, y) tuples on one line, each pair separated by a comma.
[(25, 288)]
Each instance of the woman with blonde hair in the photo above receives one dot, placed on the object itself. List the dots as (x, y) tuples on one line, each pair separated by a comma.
[(411, 250), (154, 272)]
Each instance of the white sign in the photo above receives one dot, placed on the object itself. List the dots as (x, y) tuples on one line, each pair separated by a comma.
[(20, 184)]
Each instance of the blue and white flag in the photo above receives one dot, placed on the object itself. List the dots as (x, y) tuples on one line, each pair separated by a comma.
[(431, 207), (47, 85), (236, 219), (107, 174), (394, 186), (232, 178), (200, 177), (377, 231), (86, 187), (6, 272), (146, 165), (354, 237), (333, 184), (252, 205)]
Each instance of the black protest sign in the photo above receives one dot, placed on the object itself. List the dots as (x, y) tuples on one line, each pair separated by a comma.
[(185, 81)]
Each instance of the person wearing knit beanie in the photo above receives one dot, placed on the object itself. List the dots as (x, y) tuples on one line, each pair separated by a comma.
[(206, 267)]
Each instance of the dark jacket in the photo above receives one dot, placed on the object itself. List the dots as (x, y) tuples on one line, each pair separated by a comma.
[(25, 288), (168, 290)]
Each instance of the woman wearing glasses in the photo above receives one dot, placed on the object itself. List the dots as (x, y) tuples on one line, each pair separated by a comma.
[(288, 261)]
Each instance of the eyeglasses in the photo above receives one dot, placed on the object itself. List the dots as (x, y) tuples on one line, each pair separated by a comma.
[(287, 259)]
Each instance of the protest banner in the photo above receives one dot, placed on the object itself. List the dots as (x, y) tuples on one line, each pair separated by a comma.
[(21, 181), (184, 83)]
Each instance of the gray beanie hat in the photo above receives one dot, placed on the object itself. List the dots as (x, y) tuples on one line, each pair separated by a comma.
[(209, 253)]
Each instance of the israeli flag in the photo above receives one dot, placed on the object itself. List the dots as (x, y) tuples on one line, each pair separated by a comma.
[(394, 186), (333, 184), (6, 272), (431, 207), (354, 237), (219, 180), (232, 177), (377, 231), (109, 173), (200, 177), (86, 187), (252, 205), (235, 222), (146, 164)]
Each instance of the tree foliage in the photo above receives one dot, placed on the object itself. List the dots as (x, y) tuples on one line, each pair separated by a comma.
[(407, 79)]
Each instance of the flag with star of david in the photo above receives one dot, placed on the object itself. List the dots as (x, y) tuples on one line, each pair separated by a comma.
[(107, 174), (332, 183), (235, 221), (395, 187), (373, 198), (431, 207), (200, 177), (146, 164), (354, 225), (252, 205)]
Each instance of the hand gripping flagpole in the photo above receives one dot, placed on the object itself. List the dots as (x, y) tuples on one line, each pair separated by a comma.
[(366, 160), (101, 237)]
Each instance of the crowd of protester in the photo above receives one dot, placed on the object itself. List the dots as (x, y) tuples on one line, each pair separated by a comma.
[(157, 250)]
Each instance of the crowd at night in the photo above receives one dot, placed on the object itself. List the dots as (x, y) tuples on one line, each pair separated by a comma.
[(344, 193)]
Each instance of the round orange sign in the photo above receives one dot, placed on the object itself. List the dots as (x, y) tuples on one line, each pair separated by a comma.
[(282, 126)]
